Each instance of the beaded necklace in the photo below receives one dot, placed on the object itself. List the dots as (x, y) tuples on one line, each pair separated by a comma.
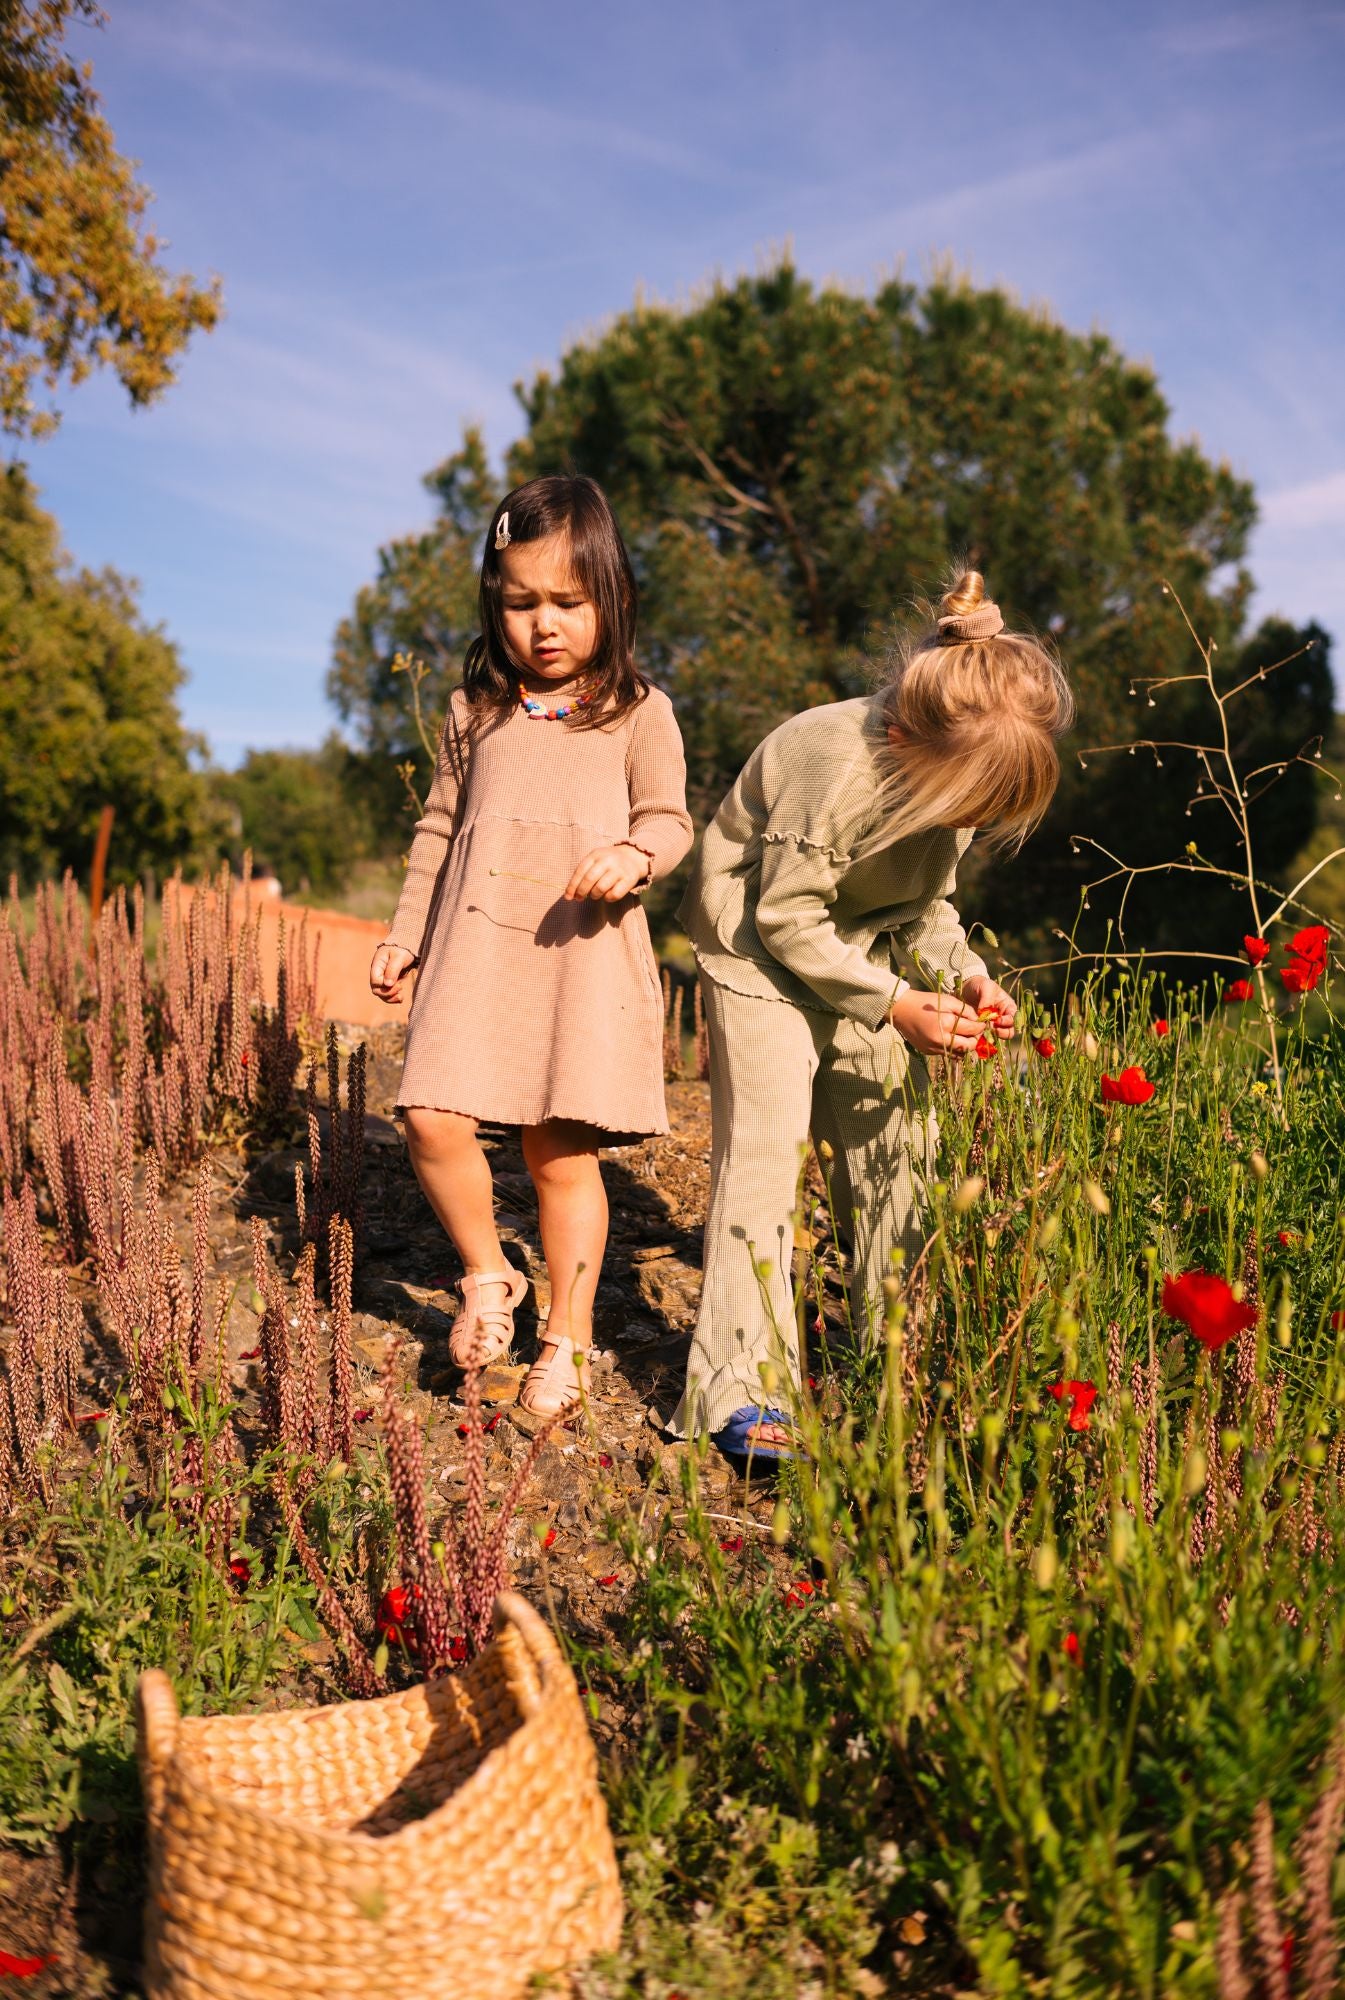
[(538, 711)]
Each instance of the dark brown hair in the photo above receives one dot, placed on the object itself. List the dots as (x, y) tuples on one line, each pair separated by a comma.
[(577, 508)]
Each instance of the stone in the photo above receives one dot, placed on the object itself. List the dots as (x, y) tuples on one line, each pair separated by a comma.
[(670, 1285), (374, 1347), (501, 1382), (526, 1421)]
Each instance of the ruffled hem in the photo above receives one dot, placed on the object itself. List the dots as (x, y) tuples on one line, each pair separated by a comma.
[(615, 1135)]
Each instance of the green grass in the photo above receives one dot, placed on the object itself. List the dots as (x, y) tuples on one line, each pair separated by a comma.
[(914, 1778)]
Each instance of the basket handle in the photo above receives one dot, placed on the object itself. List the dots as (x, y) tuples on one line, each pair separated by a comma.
[(541, 1656), (156, 1718)]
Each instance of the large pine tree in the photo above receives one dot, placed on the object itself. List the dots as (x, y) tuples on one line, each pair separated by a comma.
[(793, 464)]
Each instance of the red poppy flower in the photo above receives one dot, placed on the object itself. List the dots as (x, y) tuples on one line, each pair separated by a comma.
[(1310, 944), (1132, 1086), (394, 1612), (985, 1047), (22, 1968), (464, 1430), (362, 1416), (1288, 1237), (457, 1647), (604, 1458), (1205, 1304), (731, 1544), (1044, 1046), (1338, 1321), (1301, 975), (1162, 1028), (240, 1567), (1073, 1651), (250, 1354), (549, 1538), (608, 1581), (1257, 950), (1080, 1396), (1238, 989)]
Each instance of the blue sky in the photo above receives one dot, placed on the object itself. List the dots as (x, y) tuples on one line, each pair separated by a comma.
[(413, 205)]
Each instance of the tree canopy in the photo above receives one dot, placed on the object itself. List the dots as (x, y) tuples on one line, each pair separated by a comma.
[(88, 710), (296, 811), (80, 281), (793, 464)]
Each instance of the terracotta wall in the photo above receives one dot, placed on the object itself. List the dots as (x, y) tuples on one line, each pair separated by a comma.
[(345, 949)]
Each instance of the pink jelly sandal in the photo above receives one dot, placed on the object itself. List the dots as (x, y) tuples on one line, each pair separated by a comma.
[(480, 1332), (556, 1380)]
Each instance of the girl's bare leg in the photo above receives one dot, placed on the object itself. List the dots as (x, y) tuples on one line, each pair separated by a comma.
[(562, 1157), (455, 1174)]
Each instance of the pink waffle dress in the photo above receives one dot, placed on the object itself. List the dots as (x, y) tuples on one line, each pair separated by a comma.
[(528, 1007)]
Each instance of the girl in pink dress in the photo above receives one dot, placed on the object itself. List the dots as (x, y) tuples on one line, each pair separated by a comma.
[(559, 794)]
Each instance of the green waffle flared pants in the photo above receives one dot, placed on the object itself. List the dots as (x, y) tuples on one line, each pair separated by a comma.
[(778, 1075)]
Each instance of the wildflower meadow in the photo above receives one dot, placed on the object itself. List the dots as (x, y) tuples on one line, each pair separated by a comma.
[(1023, 1679)]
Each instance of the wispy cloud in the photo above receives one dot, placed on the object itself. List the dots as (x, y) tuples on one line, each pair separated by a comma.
[(1244, 28), (1317, 503), (213, 42), (985, 202)]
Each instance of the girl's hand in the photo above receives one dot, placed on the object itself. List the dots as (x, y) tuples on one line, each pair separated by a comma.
[(391, 964), (607, 874), (937, 1024), (995, 1007)]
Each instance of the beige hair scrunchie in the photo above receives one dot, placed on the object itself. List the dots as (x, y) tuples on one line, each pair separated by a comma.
[(982, 623)]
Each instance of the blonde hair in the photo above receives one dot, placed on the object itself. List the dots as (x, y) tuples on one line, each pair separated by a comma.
[(973, 713)]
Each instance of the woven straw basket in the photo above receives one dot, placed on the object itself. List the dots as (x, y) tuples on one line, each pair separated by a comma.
[(448, 1841)]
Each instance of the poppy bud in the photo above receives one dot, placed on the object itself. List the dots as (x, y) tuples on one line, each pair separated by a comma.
[(1193, 1481), (970, 1192), (1096, 1199), (826, 1151), (1044, 1566), (780, 1523), (1259, 1164)]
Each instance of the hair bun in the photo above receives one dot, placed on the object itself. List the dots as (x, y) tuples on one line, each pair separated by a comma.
[(962, 595), (965, 612)]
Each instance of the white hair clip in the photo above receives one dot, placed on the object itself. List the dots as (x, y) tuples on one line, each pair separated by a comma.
[(502, 531)]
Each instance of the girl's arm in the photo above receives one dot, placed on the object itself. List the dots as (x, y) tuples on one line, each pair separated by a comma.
[(799, 881), (934, 944), (656, 777), (429, 849)]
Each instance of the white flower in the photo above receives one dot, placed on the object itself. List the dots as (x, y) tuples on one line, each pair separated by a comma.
[(857, 1749)]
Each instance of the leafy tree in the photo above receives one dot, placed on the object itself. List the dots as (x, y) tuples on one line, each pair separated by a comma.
[(296, 813), (423, 602), (80, 281), (88, 711), (790, 464)]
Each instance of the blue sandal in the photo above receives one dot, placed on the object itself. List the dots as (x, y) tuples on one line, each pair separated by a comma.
[(734, 1442)]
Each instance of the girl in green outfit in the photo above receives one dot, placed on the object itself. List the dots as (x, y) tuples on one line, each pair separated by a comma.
[(834, 965)]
